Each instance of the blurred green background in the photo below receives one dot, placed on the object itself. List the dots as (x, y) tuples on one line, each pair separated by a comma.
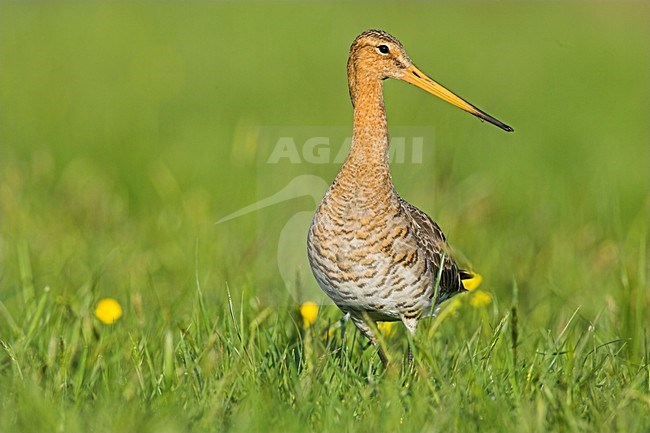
[(127, 129)]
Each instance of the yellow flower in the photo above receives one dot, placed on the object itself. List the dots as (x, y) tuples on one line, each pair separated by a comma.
[(472, 283), (108, 311), (309, 313), (480, 299), (387, 329)]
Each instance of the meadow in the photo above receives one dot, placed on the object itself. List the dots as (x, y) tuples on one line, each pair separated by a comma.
[(129, 129)]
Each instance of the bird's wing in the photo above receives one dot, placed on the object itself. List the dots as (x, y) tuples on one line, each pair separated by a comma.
[(432, 242)]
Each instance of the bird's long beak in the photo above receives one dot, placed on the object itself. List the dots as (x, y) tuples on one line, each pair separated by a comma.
[(418, 78)]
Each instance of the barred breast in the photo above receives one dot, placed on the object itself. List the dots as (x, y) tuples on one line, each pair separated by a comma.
[(365, 257)]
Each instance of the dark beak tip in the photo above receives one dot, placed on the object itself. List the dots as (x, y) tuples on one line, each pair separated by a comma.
[(501, 125)]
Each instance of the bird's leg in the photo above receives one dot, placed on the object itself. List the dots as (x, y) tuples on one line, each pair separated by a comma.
[(367, 331), (382, 356), (411, 324), (341, 323)]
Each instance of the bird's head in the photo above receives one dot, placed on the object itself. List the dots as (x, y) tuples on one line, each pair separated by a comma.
[(375, 55)]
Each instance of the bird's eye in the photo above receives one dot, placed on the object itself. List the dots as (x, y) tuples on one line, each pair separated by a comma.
[(383, 49)]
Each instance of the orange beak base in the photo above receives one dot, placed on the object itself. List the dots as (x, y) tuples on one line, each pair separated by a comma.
[(418, 78)]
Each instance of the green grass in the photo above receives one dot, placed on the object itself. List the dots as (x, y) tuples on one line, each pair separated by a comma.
[(128, 129)]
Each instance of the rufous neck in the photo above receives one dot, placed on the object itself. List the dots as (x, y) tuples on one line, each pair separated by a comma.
[(370, 133)]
